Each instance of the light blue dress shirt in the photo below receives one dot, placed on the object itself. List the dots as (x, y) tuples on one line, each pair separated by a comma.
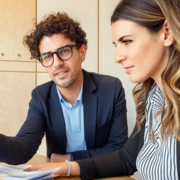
[(74, 122)]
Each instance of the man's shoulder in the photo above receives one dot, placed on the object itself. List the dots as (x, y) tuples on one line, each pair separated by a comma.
[(44, 89), (102, 78), (105, 85), (45, 86)]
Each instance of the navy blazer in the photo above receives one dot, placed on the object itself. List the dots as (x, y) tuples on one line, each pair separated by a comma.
[(105, 121)]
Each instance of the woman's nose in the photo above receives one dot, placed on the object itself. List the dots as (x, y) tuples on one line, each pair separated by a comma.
[(119, 56)]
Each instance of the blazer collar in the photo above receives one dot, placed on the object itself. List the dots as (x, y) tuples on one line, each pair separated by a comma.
[(57, 118)]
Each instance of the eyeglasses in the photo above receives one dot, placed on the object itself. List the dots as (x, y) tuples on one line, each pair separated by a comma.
[(63, 53)]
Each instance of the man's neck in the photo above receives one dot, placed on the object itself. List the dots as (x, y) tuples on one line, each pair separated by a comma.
[(71, 94)]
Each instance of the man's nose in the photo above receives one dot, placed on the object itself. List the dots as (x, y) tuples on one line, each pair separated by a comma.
[(57, 61)]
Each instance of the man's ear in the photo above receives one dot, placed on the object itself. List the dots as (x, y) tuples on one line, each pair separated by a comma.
[(83, 52), (168, 35)]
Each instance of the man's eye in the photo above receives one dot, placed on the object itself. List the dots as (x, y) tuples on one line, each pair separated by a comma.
[(65, 50), (47, 56), (127, 42)]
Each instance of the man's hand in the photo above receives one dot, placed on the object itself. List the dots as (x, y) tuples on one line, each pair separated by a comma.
[(60, 157)]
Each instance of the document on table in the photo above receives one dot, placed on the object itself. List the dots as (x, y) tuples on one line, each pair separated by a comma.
[(8, 172)]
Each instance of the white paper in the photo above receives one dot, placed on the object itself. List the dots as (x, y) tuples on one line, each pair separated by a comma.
[(8, 172)]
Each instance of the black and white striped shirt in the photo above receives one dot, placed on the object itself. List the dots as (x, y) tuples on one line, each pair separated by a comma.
[(156, 160)]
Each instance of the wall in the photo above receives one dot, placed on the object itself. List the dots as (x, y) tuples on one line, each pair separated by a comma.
[(17, 73)]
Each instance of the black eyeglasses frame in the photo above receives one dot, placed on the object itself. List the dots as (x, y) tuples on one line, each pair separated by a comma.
[(56, 52)]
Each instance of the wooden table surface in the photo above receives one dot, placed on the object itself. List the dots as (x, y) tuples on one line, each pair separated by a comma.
[(39, 159)]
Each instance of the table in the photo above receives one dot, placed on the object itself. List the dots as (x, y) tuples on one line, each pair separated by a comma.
[(39, 159)]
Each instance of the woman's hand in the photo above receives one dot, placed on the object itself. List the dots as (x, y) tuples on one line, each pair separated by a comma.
[(75, 169)]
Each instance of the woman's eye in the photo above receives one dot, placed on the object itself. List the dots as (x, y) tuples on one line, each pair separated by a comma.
[(127, 41)]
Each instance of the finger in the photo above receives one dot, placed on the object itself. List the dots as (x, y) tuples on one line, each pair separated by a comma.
[(33, 168), (29, 169), (58, 172)]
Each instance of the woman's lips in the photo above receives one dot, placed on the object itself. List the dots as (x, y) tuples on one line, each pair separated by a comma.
[(127, 69)]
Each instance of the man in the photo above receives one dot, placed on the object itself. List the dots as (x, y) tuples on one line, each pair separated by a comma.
[(82, 114)]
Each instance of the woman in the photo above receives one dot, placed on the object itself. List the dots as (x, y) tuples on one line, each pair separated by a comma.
[(146, 34)]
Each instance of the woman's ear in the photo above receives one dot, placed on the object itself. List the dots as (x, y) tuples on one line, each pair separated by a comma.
[(168, 35)]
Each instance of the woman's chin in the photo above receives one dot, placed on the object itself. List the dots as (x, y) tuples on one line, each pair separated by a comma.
[(135, 79)]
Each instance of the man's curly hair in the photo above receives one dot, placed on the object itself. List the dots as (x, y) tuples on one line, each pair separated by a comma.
[(59, 23)]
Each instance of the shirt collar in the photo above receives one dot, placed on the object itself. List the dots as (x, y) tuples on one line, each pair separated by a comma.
[(79, 98), (155, 95)]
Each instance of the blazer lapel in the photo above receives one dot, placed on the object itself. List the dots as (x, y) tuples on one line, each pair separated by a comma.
[(57, 118), (90, 110)]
